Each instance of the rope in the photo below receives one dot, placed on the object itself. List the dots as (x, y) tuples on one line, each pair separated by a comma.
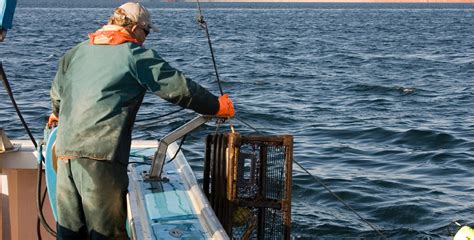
[(161, 116), (326, 187), (179, 149), (248, 125), (6, 84), (203, 24), (340, 200), (39, 203)]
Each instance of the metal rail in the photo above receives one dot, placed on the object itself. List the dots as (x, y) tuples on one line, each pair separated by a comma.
[(160, 154)]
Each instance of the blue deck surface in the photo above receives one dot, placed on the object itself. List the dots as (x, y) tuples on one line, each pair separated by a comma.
[(159, 209), (167, 205)]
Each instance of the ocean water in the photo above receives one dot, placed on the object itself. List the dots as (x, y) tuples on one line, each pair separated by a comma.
[(379, 98)]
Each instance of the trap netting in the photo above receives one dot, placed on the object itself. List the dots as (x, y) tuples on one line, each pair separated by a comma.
[(247, 180)]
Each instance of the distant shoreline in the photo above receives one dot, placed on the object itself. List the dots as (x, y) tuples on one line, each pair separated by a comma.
[(332, 1), (341, 1)]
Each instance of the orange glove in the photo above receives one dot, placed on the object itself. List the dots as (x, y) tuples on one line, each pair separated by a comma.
[(226, 107), (53, 120)]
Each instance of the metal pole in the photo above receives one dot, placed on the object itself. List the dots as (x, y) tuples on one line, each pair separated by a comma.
[(160, 155)]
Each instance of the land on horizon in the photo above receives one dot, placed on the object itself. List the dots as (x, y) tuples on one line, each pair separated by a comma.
[(336, 1), (46, 3)]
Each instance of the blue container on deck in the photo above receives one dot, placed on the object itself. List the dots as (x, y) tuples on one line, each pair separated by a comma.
[(51, 171)]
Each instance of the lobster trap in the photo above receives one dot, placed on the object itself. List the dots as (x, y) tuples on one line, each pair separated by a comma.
[(247, 180)]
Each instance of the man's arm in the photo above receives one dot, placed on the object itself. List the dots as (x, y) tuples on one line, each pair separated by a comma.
[(156, 75), (55, 88), (55, 96)]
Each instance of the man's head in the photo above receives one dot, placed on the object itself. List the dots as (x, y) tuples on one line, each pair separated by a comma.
[(135, 18)]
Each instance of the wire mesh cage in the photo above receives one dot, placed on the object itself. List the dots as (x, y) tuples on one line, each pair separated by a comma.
[(247, 180)]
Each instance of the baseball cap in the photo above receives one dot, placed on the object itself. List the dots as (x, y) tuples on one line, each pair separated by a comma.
[(139, 14)]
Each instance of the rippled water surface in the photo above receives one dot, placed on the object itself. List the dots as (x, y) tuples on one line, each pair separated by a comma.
[(379, 99)]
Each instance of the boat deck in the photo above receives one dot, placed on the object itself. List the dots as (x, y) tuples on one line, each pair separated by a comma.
[(175, 208), (172, 209)]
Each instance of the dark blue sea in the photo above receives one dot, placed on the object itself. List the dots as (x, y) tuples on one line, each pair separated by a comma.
[(379, 98)]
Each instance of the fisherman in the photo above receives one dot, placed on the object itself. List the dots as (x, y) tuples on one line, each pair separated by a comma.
[(96, 93)]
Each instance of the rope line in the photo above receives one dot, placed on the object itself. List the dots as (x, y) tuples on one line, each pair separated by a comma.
[(161, 116), (248, 125), (340, 199), (179, 149), (39, 204), (203, 24), (325, 187), (6, 84)]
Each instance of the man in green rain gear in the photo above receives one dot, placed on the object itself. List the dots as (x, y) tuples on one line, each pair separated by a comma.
[(97, 91)]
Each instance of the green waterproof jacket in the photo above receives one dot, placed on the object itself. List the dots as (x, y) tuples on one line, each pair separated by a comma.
[(98, 90)]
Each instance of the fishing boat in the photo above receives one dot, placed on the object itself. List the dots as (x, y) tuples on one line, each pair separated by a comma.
[(245, 194), (247, 182), (172, 209), (247, 187)]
